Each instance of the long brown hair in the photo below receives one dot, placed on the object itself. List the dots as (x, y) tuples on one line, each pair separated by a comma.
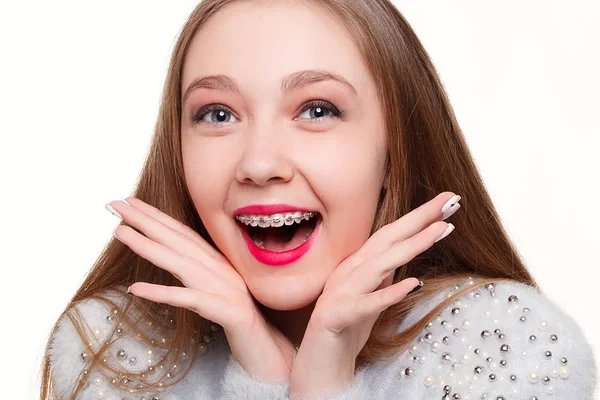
[(427, 155)]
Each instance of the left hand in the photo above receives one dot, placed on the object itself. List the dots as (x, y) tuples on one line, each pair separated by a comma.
[(351, 301)]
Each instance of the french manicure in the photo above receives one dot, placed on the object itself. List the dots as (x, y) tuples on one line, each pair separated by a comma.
[(451, 206), (129, 290), (113, 211), (449, 229)]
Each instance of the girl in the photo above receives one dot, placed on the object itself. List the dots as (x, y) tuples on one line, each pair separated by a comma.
[(288, 237)]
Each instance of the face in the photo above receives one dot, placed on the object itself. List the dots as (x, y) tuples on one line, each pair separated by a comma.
[(284, 137)]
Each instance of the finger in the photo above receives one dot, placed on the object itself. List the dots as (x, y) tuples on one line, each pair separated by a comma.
[(174, 224), (170, 238), (207, 305), (373, 304), (186, 269), (406, 226), (369, 275)]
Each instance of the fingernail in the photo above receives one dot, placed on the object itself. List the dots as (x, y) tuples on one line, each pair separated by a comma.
[(129, 290), (125, 201), (418, 287), (113, 211), (451, 206), (449, 229)]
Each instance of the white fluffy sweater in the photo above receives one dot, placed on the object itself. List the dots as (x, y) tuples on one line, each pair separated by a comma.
[(502, 342)]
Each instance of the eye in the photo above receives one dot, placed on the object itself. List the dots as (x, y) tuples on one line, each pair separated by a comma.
[(321, 110), (214, 118)]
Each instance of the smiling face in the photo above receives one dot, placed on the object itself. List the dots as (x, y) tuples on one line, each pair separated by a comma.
[(279, 139)]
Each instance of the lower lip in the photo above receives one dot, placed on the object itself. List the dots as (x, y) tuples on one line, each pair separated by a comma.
[(275, 258)]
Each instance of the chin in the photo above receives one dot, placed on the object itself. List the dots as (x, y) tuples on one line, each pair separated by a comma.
[(287, 296)]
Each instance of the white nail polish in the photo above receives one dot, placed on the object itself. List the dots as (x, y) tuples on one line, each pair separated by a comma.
[(449, 229), (451, 206), (113, 211)]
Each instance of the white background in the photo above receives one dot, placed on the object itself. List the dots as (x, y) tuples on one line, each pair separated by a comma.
[(79, 88)]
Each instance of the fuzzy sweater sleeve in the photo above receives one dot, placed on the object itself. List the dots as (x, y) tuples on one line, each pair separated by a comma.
[(504, 341)]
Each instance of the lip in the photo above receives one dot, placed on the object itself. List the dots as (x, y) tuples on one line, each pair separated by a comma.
[(281, 258), (267, 209)]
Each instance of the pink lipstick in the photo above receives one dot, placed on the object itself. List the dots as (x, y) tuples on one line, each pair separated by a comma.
[(270, 257)]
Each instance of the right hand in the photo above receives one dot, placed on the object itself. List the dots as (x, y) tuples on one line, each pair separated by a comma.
[(213, 288)]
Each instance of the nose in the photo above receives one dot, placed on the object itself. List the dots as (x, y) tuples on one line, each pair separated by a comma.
[(265, 158)]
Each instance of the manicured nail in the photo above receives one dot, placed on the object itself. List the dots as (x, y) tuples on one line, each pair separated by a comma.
[(449, 229), (125, 201), (129, 290), (418, 287), (451, 206), (113, 211)]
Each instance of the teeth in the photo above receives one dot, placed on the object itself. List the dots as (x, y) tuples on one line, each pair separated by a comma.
[(275, 220)]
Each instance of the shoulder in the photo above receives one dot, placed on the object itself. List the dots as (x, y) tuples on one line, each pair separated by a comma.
[(80, 334), (504, 340)]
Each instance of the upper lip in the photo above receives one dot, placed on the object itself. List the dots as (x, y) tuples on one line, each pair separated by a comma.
[(268, 209)]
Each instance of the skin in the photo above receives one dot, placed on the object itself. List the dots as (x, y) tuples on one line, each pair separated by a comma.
[(272, 150)]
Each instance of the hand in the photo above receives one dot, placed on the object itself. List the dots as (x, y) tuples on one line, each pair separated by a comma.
[(352, 301), (213, 288)]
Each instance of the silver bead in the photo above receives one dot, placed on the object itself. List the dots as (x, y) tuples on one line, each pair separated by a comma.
[(497, 331), (109, 318), (446, 357), (513, 378), (132, 360), (503, 363), (504, 348), (545, 379), (477, 351), (456, 396), (455, 311), (533, 398), (526, 309), (408, 371), (490, 286), (500, 398), (445, 340), (532, 338), (512, 298), (553, 338), (84, 356), (522, 318), (492, 377), (121, 354), (489, 359), (485, 334), (563, 361), (456, 332), (427, 336), (478, 370), (447, 389), (501, 336), (444, 323), (548, 354)]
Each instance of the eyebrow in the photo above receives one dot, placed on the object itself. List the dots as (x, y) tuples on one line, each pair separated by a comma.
[(291, 82)]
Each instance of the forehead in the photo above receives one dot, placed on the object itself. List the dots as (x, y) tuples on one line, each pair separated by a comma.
[(258, 43)]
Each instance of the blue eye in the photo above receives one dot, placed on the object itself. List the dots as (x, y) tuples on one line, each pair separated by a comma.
[(322, 110), (217, 118)]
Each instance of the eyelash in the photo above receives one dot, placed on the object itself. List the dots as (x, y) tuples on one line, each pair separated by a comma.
[(334, 111)]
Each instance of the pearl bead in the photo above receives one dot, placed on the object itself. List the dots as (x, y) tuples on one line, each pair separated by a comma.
[(564, 372), (435, 346), (429, 381), (533, 377), (543, 325)]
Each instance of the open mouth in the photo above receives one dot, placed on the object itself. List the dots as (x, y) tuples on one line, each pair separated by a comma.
[(279, 232)]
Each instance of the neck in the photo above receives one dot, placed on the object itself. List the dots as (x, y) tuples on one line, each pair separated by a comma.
[(292, 323)]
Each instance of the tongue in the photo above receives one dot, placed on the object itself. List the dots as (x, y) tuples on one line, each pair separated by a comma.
[(282, 239)]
